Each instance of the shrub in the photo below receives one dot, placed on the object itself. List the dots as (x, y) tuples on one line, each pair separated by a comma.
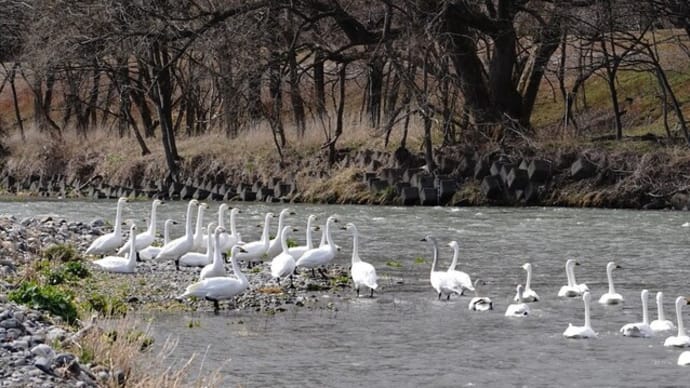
[(61, 252), (106, 305), (46, 297)]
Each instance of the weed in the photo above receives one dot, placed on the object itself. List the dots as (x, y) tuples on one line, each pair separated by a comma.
[(46, 297), (61, 252), (341, 280), (106, 305), (193, 323), (291, 243), (420, 260), (394, 264)]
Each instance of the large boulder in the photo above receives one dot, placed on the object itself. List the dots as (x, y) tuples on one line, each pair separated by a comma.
[(492, 188)]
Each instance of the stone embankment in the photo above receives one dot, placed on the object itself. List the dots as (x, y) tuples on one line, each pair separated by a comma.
[(461, 176)]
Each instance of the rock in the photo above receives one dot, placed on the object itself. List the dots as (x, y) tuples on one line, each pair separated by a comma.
[(64, 359), (428, 196), (43, 350), (492, 188), (97, 223), (539, 170), (680, 201), (44, 364), (482, 169), (446, 190), (517, 179), (11, 323), (465, 167), (55, 334), (409, 196), (582, 168)]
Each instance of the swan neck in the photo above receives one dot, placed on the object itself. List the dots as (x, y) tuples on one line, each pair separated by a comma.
[(236, 268), (152, 224), (529, 278), (309, 242), (454, 263), (588, 323), (571, 273), (118, 218), (609, 275), (233, 227), (199, 220), (434, 247), (283, 239), (660, 309), (329, 238), (188, 222), (679, 317), (132, 249), (166, 233), (355, 247), (280, 224), (221, 218), (217, 257), (645, 313), (264, 234)]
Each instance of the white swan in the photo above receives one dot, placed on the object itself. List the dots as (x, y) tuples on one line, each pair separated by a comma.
[(639, 329), (478, 302), (217, 267), (255, 250), (661, 324), (109, 242), (196, 259), (440, 280), (274, 246), (585, 331), (178, 247), (120, 264), (198, 242), (681, 340), (220, 288), (150, 252), (528, 294), (324, 241), (461, 278), (611, 297), (298, 251), (322, 255), (684, 358), (227, 240), (145, 238), (363, 273), (284, 263), (572, 289), (519, 309)]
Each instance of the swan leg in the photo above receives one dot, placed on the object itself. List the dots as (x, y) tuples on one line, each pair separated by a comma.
[(138, 258), (439, 296), (371, 295), (313, 273), (291, 285), (177, 264), (448, 297), (357, 289)]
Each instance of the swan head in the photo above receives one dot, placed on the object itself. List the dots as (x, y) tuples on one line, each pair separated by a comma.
[(611, 266), (286, 230), (570, 263), (193, 202), (157, 202), (659, 297), (454, 244), (285, 212), (235, 210), (236, 249), (269, 215), (218, 229), (644, 294), (169, 222), (203, 205), (332, 219), (312, 218), (527, 267), (132, 228), (479, 283), (122, 200), (429, 238)]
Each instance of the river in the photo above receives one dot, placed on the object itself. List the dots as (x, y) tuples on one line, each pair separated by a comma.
[(405, 337)]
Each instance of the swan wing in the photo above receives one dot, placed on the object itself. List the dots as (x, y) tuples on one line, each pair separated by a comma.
[(282, 265), (684, 358), (194, 259), (315, 257), (104, 244), (364, 273)]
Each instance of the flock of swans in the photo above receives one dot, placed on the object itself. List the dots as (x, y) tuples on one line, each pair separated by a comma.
[(197, 248)]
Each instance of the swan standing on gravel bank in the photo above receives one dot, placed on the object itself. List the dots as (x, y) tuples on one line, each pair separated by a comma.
[(284, 264), (528, 294), (150, 252), (322, 255), (121, 264), (220, 288), (363, 273), (576, 332), (298, 251), (216, 267), (145, 238), (111, 241), (255, 250), (611, 297), (196, 259), (178, 247)]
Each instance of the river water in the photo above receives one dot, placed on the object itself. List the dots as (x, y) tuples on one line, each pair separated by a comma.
[(405, 337)]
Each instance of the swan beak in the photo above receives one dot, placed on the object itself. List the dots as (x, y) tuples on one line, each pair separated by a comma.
[(424, 239), (343, 228), (316, 228), (242, 250), (292, 213), (295, 229), (618, 267), (577, 263)]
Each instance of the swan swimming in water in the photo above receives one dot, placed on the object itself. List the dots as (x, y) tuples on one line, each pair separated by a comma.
[(322, 255), (111, 241), (681, 340), (219, 288), (284, 264), (684, 358), (120, 264), (178, 247), (146, 238), (363, 273), (255, 250), (298, 251), (441, 281), (528, 294), (519, 309), (661, 323), (196, 259), (611, 297), (274, 246), (572, 289), (576, 332), (217, 267), (480, 303), (199, 245), (461, 278), (150, 252), (639, 329)]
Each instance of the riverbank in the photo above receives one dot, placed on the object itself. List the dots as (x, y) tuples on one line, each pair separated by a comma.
[(641, 173)]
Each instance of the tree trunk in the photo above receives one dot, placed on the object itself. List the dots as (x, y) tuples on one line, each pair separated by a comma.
[(295, 96), (319, 82), (162, 93), (15, 100), (339, 118)]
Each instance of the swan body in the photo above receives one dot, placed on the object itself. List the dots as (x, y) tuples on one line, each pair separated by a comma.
[(219, 288), (150, 252), (120, 264), (322, 255), (586, 331), (478, 302), (440, 281), (572, 289), (528, 294), (298, 251), (275, 246), (109, 242), (145, 238), (284, 264), (196, 259), (256, 249), (216, 267), (462, 279), (519, 309), (199, 245), (661, 323), (611, 297), (363, 273), (681, 340), (639, 329), (174, 249), (226, 240), (684, 358)]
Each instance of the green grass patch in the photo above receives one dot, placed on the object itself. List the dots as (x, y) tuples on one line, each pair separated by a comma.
[(393, 264), (62, 253), (46, 297), (420, 260)]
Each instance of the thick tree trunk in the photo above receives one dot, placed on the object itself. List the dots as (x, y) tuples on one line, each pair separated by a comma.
[(319, 82), (295, 96)]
